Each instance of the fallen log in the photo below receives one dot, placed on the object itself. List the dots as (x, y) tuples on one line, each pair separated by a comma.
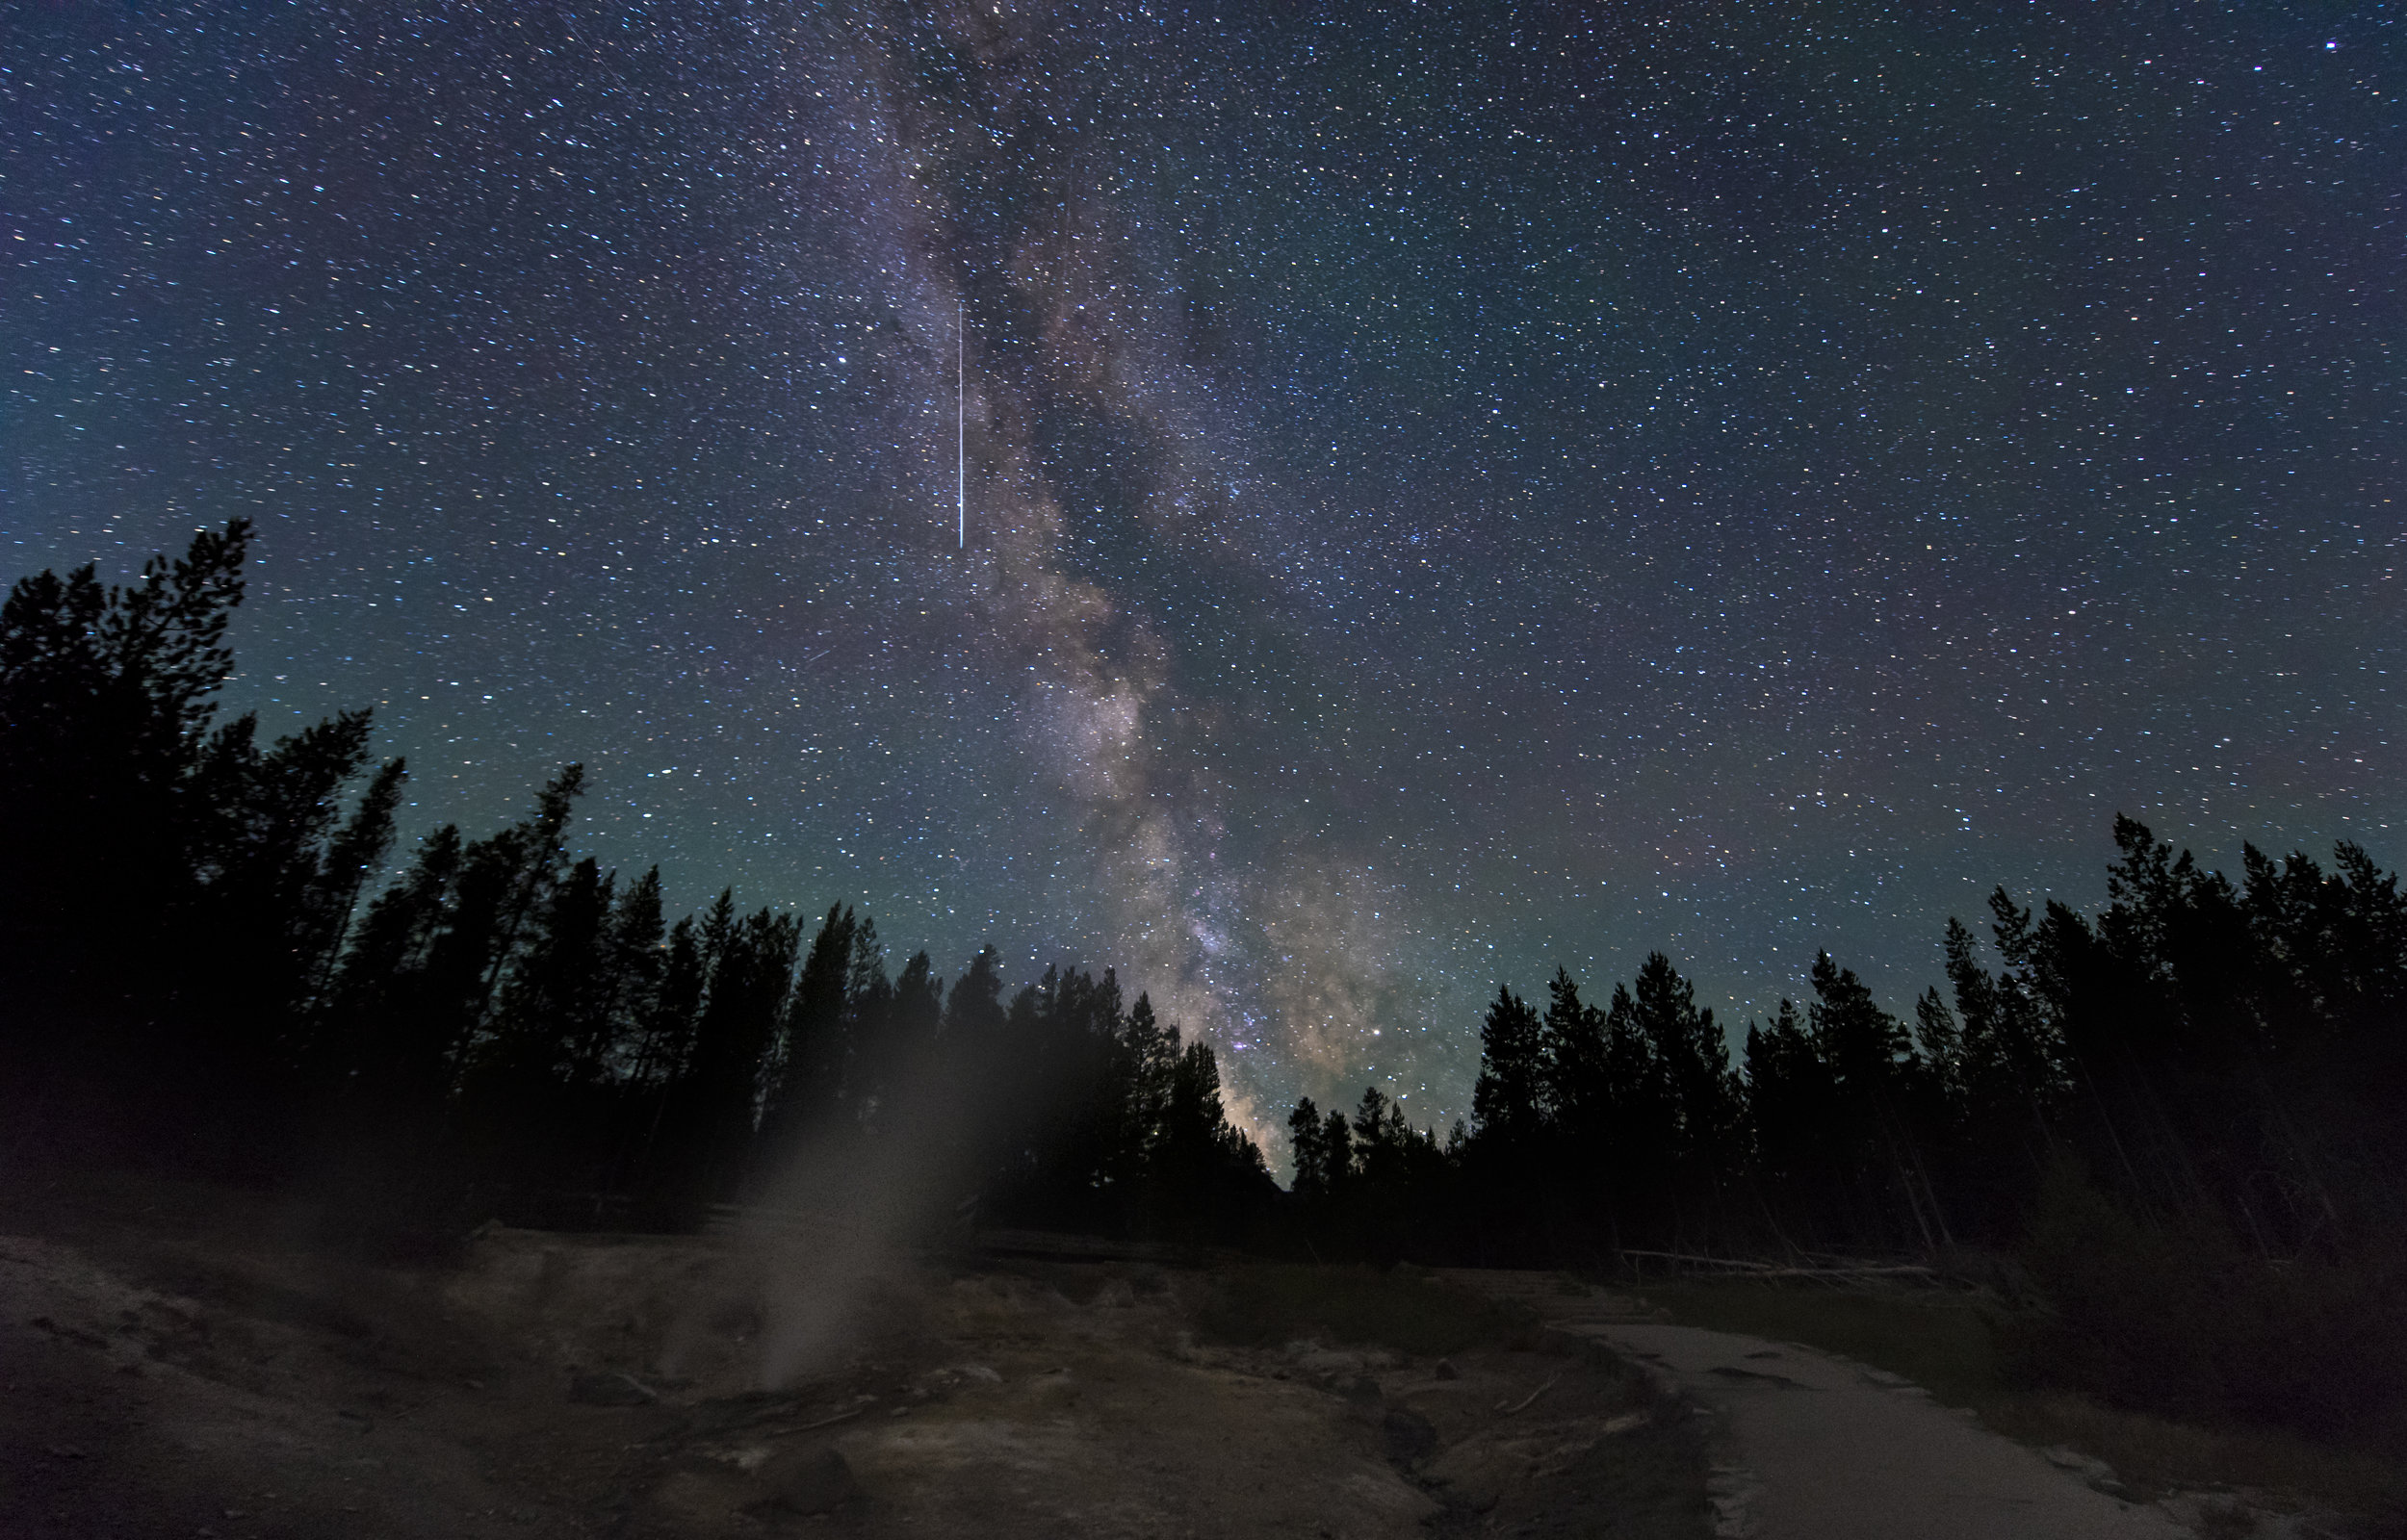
[(1775, 1270)]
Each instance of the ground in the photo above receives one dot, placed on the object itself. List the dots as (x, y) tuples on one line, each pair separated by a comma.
[(2225, 1480), (181, 1361)]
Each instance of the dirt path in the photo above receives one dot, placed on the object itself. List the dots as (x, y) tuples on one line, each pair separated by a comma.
[(1811, 1446)]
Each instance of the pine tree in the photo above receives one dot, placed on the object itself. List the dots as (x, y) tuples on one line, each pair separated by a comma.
[(1207, 1176), (383, 1049), (1310, 1182), (1508, 1100), (1870, 1057), (1642, 1144), (106, 695), (1338, 1155), (539, 1062), (1788, 1096), (352, 857), (1576, 1091), (869, 1029), (1142, 1077), (666, 1040), (973, 1011), (663, 1049), (255, 827), (816, 1049), (632, 966), (1378, 1154), (1694, 1056), (716, 1102)]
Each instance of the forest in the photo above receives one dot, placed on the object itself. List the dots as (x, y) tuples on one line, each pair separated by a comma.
[(219, 956), (208, 967)]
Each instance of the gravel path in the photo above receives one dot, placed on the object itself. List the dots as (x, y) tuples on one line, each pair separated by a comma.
[(1809, 1446), (1814, 1448)]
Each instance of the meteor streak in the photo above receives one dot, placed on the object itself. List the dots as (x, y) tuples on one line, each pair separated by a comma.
[(961, 416)]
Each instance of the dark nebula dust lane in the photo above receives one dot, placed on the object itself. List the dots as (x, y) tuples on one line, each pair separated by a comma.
[(1448, 491)]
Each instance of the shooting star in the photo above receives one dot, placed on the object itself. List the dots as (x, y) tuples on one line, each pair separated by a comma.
[(961, 415)]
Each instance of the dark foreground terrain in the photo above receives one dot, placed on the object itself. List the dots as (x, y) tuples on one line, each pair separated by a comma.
[(177, 1362)]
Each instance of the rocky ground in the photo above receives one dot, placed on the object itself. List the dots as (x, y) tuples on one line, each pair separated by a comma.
[(175, 1363)]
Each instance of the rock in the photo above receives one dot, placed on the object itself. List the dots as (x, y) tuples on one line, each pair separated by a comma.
[(1732, 1490), (1475, 1473), (1407, 1436), (1330, 1368), (1363, 1390), (1390, 1501), (2225, 1517), (1116, 1294), (612, 1389), (2095, 1471), (812, 1479), (1445, 1370)]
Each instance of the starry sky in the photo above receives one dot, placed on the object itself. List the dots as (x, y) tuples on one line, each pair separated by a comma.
[(1449, 491)]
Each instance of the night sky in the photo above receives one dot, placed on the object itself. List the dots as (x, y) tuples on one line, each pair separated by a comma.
[(1450, 489)]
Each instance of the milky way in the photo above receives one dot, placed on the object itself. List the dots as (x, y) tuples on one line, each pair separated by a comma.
[(1450, 492)]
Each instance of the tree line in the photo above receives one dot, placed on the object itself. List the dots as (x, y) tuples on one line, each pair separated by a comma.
[(2206, 1052), (204, 953), (203, 969)]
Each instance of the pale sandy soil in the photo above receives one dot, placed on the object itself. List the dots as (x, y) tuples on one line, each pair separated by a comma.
[(171, 1368)]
